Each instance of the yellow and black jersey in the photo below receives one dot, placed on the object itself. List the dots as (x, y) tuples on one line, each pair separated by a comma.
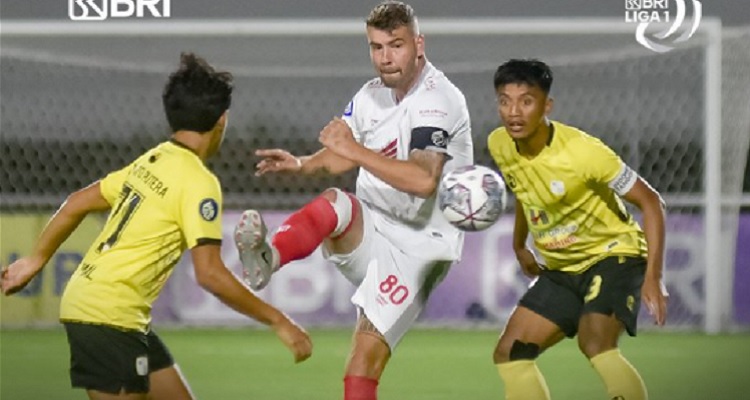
[(569, 196), (162, 203)]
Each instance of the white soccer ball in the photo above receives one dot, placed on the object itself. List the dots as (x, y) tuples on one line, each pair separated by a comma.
[(472, 197)]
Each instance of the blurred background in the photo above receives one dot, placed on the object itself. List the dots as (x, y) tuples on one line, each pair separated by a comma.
[(79, 99)]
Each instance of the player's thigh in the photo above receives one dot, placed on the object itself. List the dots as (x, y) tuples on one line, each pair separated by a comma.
[(396, 288), (166, 382), (613, 287), (107, 360), (354, 263)]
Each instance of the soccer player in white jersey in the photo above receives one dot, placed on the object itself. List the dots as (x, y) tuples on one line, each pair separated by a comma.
[(402, 130)]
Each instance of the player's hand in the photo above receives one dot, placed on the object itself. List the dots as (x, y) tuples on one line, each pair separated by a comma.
[(276, 160), (17, 275), (654, 295), (338, 138), (294, 338), (529, 265)]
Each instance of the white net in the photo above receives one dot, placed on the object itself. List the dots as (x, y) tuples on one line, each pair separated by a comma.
[(75, 107)]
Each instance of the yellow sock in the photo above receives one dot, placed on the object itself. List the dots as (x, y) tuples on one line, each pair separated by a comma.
[(523, 381), (619, 376)]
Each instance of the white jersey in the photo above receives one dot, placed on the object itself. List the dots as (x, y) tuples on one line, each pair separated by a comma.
[(382, 125)]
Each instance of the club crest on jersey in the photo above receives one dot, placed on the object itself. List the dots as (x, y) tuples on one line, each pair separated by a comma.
[(439, 138), (209, 209), (557, 187), (349, 109)]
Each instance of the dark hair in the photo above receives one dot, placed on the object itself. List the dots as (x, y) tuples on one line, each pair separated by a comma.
[(196, 95), (531, 72), (390, 15)]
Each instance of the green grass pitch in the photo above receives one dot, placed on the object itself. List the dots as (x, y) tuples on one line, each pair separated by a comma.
[(434, 364)]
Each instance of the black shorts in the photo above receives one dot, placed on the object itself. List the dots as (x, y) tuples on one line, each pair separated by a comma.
[(111, 360), (611, 286)]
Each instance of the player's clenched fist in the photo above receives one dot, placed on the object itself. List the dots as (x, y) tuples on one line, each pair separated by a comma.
[(295, 339), (337, 137)]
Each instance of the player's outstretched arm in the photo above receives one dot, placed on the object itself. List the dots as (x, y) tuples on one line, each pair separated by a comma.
[(213, 276), (67, 218), (653, 292), (324, 161)]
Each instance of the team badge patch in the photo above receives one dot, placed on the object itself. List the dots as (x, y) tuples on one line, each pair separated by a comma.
[(349, 109), (557, 187), (209, 209)]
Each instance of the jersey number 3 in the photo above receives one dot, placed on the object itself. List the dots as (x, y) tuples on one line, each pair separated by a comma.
[(130, 199)]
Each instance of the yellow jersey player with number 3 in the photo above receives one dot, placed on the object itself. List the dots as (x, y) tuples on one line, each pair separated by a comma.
[(163, 203), (598, 264)]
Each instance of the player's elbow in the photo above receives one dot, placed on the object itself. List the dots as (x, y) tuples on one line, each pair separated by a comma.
[(206, 277), (424, 188)]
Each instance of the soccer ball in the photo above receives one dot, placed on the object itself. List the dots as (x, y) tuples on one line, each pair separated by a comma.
[(472, 197)]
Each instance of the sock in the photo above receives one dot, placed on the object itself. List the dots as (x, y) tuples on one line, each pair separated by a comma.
[(305, 230), (619, 376), (523, 381), (360, 388)]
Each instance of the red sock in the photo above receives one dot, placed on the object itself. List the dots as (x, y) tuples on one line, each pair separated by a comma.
[(360, 388), (305, 230)]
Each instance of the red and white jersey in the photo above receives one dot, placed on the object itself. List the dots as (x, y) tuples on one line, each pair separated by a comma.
[(435, 110)]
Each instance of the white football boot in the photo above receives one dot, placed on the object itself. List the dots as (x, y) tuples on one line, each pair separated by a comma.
[(259, 259)]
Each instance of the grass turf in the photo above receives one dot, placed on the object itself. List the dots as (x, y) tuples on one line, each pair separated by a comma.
[(429, 364)]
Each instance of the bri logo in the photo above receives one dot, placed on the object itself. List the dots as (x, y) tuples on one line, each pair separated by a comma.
[(645, 12), (100, 10)]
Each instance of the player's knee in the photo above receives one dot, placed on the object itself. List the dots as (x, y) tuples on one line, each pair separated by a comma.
[(591, 348), (517, 350), (343, 205)]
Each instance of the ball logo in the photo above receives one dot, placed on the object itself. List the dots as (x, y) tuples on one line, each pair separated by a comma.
[(647, 12)]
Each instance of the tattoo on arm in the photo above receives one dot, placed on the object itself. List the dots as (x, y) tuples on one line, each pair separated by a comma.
[(430, 161)]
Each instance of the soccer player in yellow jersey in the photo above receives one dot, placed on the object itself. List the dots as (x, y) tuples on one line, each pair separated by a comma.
[(598, 262), (164, 202)]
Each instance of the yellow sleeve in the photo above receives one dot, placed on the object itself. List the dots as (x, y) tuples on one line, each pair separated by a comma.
[(599, 163), (494, 144), (111, 185), (200, 211)]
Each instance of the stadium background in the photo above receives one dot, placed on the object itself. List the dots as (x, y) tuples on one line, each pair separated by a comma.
[(75, 106)]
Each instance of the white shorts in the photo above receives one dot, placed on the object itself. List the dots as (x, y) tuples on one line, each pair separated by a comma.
[(392, 286)]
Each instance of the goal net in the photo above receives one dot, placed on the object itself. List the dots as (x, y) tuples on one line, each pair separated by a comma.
[(81, 100)]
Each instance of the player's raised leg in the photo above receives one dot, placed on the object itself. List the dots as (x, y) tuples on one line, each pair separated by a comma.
[(334, 216)]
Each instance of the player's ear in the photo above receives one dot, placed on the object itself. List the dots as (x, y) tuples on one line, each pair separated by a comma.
[(420, 45), (548, 105)]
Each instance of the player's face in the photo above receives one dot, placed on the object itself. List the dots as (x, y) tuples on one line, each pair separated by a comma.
[(522, 108), (395, 55)]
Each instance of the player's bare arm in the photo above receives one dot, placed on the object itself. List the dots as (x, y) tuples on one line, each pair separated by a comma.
[(79, 204), (323, 161), (213, 276), (419, 175), (652, 206), (525, 257)]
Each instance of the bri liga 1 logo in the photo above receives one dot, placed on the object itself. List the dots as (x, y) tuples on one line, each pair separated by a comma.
[(668, 13), (100, 10)]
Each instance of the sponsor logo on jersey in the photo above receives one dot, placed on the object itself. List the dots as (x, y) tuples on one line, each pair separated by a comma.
[(349, 109), (209, 209), (538, 217)]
